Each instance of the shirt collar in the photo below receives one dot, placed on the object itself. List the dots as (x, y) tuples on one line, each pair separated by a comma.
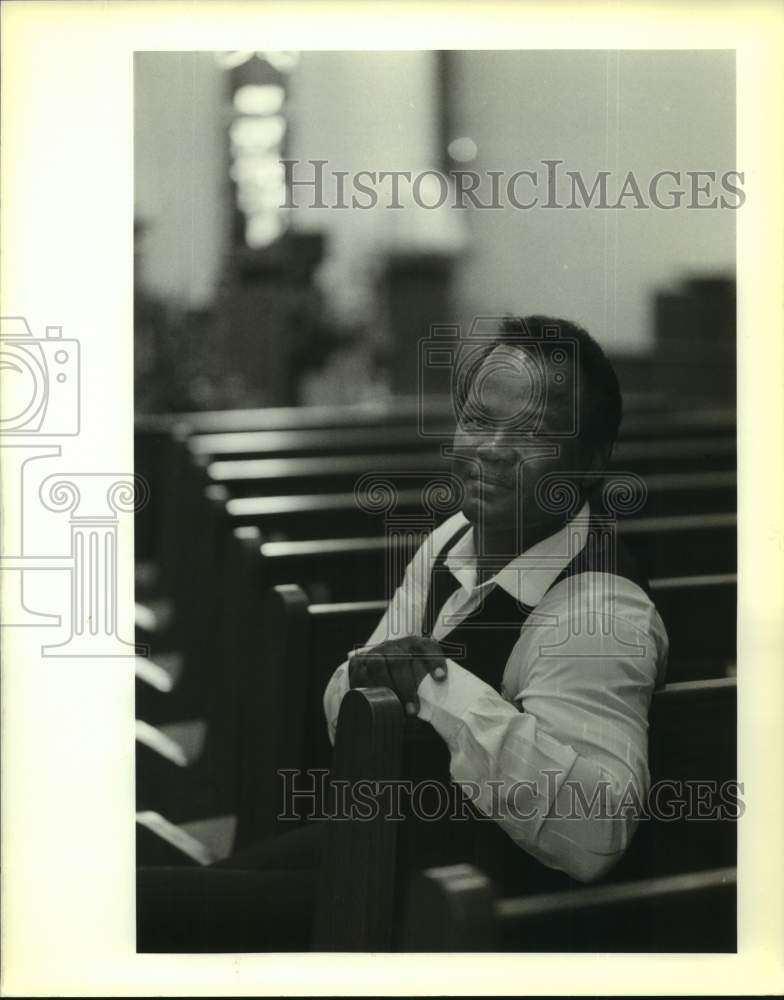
[(528, 576)]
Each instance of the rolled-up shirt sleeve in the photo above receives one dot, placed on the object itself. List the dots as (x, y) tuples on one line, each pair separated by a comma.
[(560, 760)]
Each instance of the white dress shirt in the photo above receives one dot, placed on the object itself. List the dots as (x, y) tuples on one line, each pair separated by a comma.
[(574, 700)]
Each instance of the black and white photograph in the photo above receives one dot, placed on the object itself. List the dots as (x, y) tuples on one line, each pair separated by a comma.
[(392, 498), (435, 396)]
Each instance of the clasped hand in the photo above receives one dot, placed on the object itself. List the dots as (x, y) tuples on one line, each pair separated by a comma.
[(401, 665)]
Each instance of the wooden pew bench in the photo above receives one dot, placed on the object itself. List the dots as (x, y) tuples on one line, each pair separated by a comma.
[(361, 439), (161, 452), (205, 524), (300, 644), (700, 614), (311, 443), (455, 909), (260, 476), (161, 441), (674, 546), (370, 746), (293, 646), (266, 477), (300, 517), (687, 545)]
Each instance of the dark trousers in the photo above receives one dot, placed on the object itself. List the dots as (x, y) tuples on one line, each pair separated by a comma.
[(258, 900)]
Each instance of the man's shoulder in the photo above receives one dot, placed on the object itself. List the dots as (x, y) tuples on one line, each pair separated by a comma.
[(596, 595)]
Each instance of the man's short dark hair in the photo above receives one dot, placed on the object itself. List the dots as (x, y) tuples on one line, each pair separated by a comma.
[(600, 403)]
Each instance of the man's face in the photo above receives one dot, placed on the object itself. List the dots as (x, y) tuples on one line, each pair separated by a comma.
[(507, 440)]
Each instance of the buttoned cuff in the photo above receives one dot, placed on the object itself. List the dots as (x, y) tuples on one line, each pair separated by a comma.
[(444, 704)]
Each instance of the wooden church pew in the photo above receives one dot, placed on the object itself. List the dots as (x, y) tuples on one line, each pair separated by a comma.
[(667, 494), (221, 452), (307, 642), (259, 476), (686, 544), (170, 769), (340, 567), (321, 635), (333, 515), (311, 443), (455, 909), (336, 515), (325, 473), (643, 411), (724, 485), (280, 651), (339, 514), (700, 614), (159, 443), (685, 847), (683, 544), (672, 546), (347, 568), (251, 632), (159, 440), (388, 411), (348, 440), (722, 523)]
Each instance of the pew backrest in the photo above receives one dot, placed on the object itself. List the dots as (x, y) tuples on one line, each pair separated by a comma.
[(709, 709), (260, 476), (362, 439), (700, 614)]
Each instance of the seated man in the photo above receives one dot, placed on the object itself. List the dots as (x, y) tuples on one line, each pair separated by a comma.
[(543, 704), (522, 633)]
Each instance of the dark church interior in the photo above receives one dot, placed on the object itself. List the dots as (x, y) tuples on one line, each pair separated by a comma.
[(286, 429)]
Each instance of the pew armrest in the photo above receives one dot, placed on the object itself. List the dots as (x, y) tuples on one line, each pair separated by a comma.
[(171, 770), (159, 842), (200, 842), (161, 674), (355, 900), (449, 909)]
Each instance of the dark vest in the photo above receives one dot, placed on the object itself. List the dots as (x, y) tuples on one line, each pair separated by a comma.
[(482, 643)]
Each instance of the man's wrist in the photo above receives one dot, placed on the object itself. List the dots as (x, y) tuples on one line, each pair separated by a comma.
[(445, 703)]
